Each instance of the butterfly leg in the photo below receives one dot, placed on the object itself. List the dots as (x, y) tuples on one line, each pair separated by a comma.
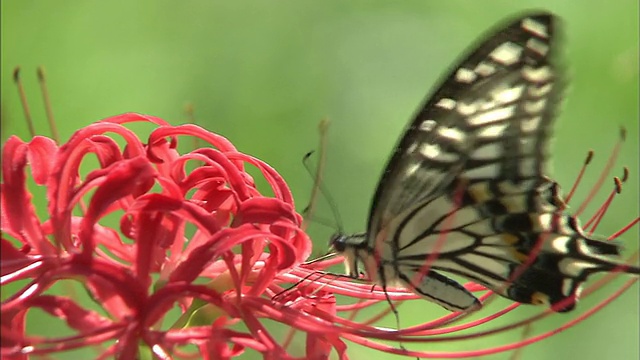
[(395, 313)]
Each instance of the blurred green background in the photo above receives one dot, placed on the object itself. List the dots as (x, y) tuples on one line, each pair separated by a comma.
[(264, 73)]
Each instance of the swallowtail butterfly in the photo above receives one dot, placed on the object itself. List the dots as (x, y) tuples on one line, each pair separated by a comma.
[(471, 167)]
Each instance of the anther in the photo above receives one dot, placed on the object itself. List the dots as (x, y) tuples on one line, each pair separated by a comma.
[(618, 184), (589, 157), (16, 74)]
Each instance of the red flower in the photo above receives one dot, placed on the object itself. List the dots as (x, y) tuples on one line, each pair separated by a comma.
[(239, 241)]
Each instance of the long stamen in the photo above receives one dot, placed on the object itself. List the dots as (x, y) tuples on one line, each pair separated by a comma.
[(23, 100), (42, 79), (624, 229), (597, 217), (605, 173), (526, 333), (579, 177)]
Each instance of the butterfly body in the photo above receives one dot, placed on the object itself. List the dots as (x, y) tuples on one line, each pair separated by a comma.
[(466, 190)]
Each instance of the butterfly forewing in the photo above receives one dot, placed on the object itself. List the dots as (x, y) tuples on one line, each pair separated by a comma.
[(489, 120)]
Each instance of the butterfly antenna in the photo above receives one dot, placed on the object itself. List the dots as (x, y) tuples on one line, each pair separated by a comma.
[(320, 275), (318, 184), (307, 277), (320, 258)]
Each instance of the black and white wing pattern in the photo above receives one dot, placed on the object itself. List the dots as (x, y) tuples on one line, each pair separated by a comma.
[(472, 168), (490, 120)]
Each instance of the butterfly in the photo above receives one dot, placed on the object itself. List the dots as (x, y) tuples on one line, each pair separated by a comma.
[(468, 182)]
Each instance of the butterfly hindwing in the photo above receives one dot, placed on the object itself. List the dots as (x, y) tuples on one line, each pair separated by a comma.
[(438, 288)]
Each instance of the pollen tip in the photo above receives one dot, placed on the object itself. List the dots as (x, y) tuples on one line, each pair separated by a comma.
[(625, 174), (623, 133), (41, 73), (323, 126), (589, 157), (618, 184), (308, 155), (16, 74)]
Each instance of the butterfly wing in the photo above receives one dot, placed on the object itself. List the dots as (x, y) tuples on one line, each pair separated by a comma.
[(484, 131), (471, 170)]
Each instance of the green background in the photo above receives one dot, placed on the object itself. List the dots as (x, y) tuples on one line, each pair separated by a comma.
[(264, 73)]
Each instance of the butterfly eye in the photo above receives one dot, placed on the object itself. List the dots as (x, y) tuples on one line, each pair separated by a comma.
[(338, 242)]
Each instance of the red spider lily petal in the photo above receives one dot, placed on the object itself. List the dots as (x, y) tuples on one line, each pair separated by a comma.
[(12, 258), (61, 184), (149, 251), (125, 178), (18, 214), (67, 310), (13, 327), (223, 241), (134, 117), (264, 211), (40, 149), (319, 346)]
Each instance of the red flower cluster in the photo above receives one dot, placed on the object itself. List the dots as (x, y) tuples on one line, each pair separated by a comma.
[(238, 240), (183, 256)]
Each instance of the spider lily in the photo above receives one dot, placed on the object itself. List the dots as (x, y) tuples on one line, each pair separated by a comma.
[(144, 236)]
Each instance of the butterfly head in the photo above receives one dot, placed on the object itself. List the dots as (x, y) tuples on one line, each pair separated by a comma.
[(338, 242), (352, 248), (341, 242)]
